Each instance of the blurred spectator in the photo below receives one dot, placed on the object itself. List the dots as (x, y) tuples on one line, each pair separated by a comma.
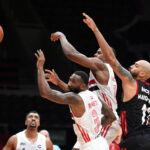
[(46, 134)]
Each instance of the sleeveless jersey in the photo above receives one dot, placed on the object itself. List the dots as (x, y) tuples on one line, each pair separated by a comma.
[(87, 127), (24, 144), (135, 114), (107, 93)]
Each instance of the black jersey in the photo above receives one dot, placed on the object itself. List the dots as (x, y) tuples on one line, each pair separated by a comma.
[(135, 114)]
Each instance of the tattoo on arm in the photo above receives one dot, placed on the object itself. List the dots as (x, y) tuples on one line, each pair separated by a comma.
[(121, 71), (63, 98), (125, 72), (53, 95)]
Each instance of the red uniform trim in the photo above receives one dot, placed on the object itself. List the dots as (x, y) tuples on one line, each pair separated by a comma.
[(92, 82), (124, 122), (84, 134), (137, 88), (145, 82)]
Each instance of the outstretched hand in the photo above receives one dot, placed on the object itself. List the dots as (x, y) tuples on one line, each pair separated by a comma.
[(40, 58), (89, 21), (51, 76), (56, 36)]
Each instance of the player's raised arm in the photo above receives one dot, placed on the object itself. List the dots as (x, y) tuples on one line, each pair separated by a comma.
[(72, 54), (107, 51), (46, 91), (52, 76)]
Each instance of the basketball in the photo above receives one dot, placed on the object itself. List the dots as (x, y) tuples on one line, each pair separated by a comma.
[(1, 34)]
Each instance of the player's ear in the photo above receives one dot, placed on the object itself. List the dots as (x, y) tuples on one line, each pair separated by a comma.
[(142, 74), (83, 86)]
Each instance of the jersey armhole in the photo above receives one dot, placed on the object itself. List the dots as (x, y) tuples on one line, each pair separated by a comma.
[(137, 87)]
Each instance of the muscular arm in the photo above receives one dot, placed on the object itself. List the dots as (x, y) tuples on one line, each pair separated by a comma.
[(49, 145), (72, 54), (46, 91), (128, 83), (109, 116), (11, 144), (63, 85), (53, 95), (107, 51)]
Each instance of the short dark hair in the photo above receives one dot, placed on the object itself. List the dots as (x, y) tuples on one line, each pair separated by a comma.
[(32, 111), (83, 75)]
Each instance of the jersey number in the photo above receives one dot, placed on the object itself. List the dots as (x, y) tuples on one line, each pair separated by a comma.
[(96, 121), (146, 115)]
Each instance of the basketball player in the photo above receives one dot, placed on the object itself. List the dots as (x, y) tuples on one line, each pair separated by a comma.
[(29, 139), (84, 105), (52, 77), (136, 95), (101, 81)]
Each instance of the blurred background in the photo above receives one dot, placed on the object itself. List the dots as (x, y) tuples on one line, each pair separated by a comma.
[(27, 27)]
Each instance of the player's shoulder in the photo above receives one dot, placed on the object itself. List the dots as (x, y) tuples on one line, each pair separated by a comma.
[(71, 94), (12, 140), (13, 137)]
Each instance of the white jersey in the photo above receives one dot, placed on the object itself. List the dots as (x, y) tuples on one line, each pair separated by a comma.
[(107, 93), (24, 144), (87, 128)]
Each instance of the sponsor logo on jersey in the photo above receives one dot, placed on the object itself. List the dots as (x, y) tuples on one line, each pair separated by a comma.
[(39, 146), (145, 90), (144, 97)]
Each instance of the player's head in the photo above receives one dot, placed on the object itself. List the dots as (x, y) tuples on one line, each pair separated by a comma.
[(140, 70), (78, 81), (99, 54), (45, 133), (32, 119)]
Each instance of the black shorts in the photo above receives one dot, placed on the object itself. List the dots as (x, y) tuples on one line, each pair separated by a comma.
[(137, 141)]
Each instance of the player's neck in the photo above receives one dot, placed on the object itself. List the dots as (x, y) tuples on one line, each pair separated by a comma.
[(139, 78), (31, 134)]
